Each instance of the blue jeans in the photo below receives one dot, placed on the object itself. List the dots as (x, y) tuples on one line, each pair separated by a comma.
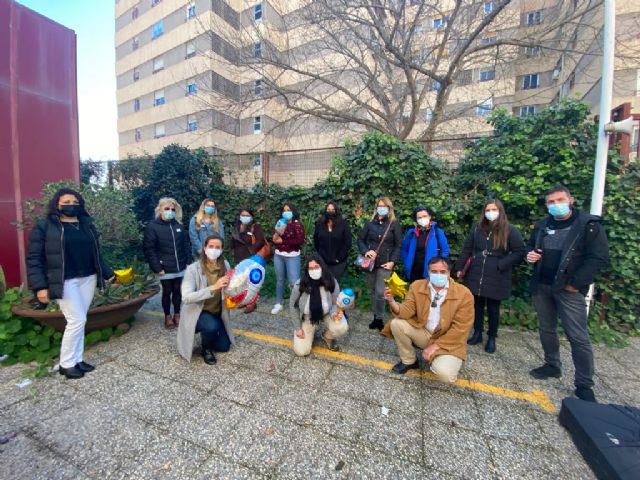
[(286, 267), (214, 335), (571, 308)]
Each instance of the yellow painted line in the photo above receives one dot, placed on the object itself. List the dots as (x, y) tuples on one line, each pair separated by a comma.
[(537, 397)]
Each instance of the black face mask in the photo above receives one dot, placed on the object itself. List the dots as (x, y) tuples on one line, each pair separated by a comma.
[(70, 210), (330, 215)]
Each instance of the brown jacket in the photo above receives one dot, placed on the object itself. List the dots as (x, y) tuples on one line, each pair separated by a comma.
[(456, 316)]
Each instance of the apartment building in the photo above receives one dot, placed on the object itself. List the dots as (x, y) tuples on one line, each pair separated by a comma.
[(182, 74)]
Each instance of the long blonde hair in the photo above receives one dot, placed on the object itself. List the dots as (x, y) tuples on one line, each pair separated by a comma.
[(166, 201), (200, 215), (387, 201)]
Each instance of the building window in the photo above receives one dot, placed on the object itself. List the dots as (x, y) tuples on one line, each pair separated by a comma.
[(534, 18), (530, 81), (158, 64), (158, 98), (257, 49), (136, 74), (191, 50), (191, 87), (527, 110), (487, 7), (257, 124), (533, 51), (159, 132), (154, 3), (257, 160), (192, 123), (484, 108), (191, 10), (135, 43), (257, 88), (428, 115), (134, 13), (136, 105), (257, 12), (138, 135), (487, 74), (440, 23), (487, 40), (157, 30)]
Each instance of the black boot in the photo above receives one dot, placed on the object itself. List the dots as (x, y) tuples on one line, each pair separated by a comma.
[(476, 338), (490, 347), (377, 324)]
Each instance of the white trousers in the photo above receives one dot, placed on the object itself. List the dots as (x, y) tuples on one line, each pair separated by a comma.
[(74, 304), (302, 346)]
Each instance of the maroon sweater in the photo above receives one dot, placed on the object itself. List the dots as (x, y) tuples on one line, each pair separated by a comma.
[(292, 238)]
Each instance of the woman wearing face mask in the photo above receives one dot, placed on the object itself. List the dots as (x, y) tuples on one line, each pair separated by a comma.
[(380, 240), (203, 224), (287, 255), (493, 248), (64, 264), (332, 239), (311, 300), (421, 243), (204, 309), (166, 248), (247, 237)]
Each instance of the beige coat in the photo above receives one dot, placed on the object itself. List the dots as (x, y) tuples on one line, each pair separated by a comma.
[(456, 316), (195, 290)]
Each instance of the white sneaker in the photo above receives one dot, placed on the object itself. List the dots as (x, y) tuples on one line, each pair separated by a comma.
[(277, 308)]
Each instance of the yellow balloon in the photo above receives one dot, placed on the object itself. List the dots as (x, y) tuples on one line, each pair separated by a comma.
[(125, 275), (397, 286)]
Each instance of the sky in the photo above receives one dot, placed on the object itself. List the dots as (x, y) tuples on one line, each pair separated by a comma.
[(93, 22)]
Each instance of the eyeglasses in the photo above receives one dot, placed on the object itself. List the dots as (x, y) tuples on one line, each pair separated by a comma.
[(169, 208), (434, 302)]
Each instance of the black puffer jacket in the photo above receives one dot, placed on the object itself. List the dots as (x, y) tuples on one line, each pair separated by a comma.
[(584, 253), (371, 236), (45, 259), (166, 246), (489, 273)]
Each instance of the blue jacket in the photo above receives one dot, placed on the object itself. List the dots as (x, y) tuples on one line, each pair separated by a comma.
[(435, 247), (197, 237)]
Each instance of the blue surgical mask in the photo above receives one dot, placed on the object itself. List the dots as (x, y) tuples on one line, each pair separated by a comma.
[(245, 219), (438, 279), (168, 215), (383, 211), (559, 210), (287, 215), (209, 210)]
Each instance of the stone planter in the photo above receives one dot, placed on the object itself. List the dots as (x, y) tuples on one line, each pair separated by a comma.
[(97, 318)]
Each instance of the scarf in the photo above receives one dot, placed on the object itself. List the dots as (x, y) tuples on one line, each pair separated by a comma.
[(315, 303)]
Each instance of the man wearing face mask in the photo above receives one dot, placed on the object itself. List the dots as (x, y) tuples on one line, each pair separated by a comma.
[(435, 316), (567, 249)]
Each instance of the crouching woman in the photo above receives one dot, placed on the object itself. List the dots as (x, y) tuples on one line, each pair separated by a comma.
[(310, 305), (203, 308)]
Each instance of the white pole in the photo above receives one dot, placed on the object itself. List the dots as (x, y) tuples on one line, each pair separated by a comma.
[(606, 91)]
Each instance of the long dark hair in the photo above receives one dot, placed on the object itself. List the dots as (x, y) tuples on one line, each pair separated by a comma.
[(326, 280), (499, 227), (323, 219), (239, 223), (292, 208), (53, 203)]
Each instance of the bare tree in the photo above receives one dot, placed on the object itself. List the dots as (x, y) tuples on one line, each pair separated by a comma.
[(393, 66)]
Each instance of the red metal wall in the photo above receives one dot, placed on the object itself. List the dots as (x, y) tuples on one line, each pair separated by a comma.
[(38, 119)]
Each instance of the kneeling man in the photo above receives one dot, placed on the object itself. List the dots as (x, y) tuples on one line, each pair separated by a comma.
[(436, 316)]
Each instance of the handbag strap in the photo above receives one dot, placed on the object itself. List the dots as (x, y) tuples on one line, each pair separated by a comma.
[(384, 235)]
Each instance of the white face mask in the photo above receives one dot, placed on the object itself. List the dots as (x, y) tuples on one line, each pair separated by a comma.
[(491, 215), (213, 253), (315, 274), (424, 221)]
